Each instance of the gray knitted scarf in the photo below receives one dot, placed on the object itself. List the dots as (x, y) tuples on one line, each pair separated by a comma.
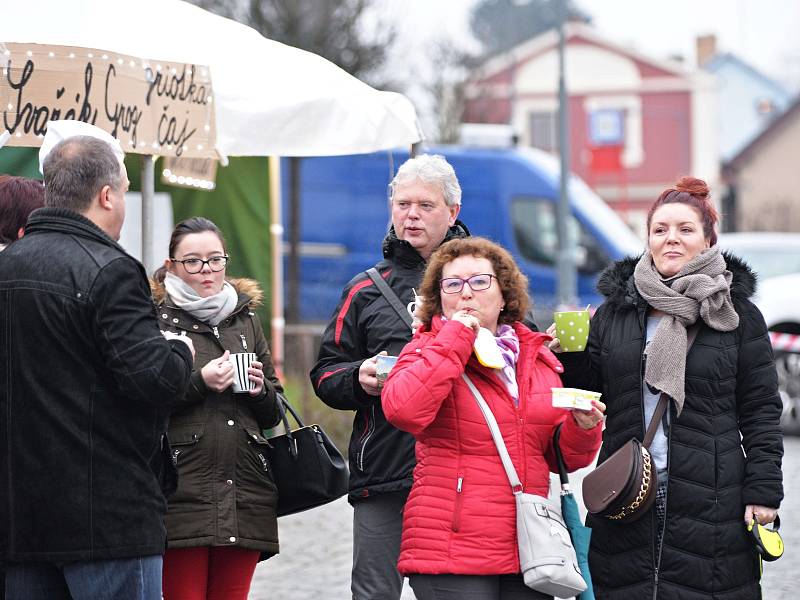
[(701, 288)]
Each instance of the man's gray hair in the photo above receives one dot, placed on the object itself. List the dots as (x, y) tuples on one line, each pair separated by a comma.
[(76, 169), (431, 169)]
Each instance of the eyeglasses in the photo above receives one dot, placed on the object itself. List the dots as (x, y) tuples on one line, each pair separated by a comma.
[(195, 265), (477, 283)]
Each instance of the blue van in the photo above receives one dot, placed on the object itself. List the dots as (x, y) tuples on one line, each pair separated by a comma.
[(510, 195)]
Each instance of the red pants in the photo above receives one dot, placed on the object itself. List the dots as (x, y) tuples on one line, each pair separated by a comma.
[(218, 573)]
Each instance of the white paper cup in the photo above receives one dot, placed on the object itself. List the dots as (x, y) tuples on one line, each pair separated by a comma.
[(574, 398), (241, 363), (383, 365)]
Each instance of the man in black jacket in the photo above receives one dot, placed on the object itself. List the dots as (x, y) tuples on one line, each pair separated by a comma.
[(86, 382), (425, 201)]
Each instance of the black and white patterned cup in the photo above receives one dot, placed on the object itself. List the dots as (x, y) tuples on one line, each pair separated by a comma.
[(241, 363)]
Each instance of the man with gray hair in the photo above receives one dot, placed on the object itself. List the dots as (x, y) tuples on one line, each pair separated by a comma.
[(86, 383), (425, 201)]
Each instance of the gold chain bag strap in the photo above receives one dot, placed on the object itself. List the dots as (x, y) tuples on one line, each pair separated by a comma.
[(623, 487)]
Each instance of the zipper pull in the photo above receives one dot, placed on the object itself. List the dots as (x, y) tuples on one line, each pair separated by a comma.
[(460, 482), (216, 331), (244, 341)]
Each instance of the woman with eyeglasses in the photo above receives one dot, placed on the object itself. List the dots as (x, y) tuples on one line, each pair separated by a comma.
[(459, 524), (222, 519)]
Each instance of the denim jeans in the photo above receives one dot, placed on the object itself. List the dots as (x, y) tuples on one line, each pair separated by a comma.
[(118, 579)]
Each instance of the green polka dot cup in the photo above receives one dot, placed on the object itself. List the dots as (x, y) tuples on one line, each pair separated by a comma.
[(572, 329)]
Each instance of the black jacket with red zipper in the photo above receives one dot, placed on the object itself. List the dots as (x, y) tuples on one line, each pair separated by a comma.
[(364, 324)]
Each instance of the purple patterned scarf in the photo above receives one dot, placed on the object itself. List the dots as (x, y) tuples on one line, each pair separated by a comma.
[(508, 343)]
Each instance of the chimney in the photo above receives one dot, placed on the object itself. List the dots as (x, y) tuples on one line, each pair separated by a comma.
[(706, 48)]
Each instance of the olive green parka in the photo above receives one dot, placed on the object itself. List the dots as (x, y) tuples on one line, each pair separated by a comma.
[(226, 494)]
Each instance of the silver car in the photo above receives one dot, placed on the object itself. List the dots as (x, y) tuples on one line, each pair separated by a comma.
[(775, 257)]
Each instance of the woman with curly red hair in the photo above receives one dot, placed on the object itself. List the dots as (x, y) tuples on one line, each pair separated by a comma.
[(459, 524)]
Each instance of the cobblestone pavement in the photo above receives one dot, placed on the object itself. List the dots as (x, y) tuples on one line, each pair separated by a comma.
[(316, 548)]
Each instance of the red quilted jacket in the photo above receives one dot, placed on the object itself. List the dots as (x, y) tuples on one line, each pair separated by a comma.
[(460, 516)]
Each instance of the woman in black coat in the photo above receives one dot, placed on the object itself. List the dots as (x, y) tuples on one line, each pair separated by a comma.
[(718, 449)]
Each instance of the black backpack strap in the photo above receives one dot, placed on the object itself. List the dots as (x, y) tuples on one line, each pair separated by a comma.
[(390, 296)]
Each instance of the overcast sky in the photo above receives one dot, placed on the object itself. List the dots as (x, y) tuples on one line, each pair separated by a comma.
[(764, 33)]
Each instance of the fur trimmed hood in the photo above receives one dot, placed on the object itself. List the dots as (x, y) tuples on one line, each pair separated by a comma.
[(616, 282), (243, 286)]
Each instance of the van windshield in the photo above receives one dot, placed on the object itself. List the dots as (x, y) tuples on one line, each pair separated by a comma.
[(536, 235)]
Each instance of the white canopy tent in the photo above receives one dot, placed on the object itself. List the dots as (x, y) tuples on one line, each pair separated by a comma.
[(269, 99)]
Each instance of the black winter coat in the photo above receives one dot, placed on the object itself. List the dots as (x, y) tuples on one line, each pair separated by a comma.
[(364, 324), (226, 494), (725, 450), (86, 382)]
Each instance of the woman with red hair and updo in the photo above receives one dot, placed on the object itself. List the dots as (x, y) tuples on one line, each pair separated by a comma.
[(19, 197), (718, 446)]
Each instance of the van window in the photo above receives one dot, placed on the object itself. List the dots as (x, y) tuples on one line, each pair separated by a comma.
[(536, 236)]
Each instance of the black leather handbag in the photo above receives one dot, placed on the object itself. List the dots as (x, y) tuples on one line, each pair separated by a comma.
[(309, 470)]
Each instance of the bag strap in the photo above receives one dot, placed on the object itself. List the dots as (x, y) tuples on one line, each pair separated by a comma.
[(511, 472), (283, 405), (562, 468), (663, 401), (390, 296)]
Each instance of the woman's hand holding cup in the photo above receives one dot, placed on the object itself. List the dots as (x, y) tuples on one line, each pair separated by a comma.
[(554, 344), (256, 375), (218, 373), (587, 419)]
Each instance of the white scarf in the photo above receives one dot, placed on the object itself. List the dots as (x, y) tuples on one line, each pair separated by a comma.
[(212, 310)]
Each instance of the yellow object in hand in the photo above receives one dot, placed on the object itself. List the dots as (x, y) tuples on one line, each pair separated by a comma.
[(486, 350), (768, 541)]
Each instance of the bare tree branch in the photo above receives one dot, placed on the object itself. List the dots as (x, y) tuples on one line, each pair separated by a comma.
[(330, 28)]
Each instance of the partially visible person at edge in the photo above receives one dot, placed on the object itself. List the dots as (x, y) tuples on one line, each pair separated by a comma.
[(425, 201), (222, 519), (718, 450), (459, 526), (19, 197), (86, 380)]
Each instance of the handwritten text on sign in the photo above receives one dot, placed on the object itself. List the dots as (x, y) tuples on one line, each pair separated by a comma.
[(152, 107)]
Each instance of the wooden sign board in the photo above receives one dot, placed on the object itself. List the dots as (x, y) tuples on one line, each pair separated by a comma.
[(150, 106)]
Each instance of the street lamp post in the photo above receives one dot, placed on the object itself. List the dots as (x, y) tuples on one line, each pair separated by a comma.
[(567, 276)]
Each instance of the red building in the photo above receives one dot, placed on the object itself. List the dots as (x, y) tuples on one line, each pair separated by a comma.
[(636, 123)]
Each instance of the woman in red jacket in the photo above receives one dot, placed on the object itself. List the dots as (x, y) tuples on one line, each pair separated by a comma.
[(459, 527)]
